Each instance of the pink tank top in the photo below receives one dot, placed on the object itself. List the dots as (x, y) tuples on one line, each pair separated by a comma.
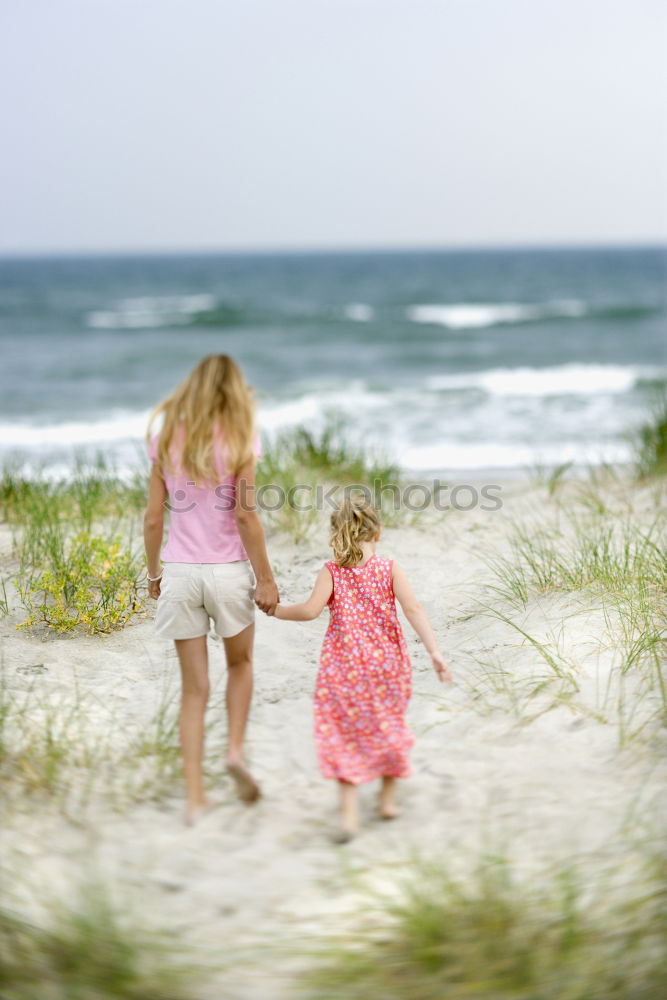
[(202, 522)]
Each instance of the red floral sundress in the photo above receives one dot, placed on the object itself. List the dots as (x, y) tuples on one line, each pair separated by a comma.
[(364, 681)]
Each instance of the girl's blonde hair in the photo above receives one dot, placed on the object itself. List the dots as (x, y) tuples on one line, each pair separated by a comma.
[(355, 520), (214, 396)]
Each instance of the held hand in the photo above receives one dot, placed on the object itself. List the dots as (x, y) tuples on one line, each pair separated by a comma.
[(266, 596), (440, 667), (154, 589)]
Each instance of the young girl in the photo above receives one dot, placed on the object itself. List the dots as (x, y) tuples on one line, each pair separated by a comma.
[(203, 471), (364, 681)]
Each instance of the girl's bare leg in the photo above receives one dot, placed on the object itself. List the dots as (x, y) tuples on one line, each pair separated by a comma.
[(238, 650), (388, 809), (349, 811), (193, 658)]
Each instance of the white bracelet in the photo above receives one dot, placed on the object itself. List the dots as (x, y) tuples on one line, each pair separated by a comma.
[(154, 579)]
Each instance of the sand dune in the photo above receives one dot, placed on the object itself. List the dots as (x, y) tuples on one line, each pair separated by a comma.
[(512, 758)]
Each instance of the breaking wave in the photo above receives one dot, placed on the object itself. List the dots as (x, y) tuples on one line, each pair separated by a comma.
[(468, 315)]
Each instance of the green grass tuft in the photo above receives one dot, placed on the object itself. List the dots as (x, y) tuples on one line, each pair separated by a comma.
[(73, 542), (94, 490), (493, 939), (594, 554), (650, 443), (318, 459), (618, 565), (90, 953), (89, 582), (329, 453)]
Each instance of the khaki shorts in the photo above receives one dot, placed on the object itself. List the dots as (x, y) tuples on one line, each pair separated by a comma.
[(192, 593)]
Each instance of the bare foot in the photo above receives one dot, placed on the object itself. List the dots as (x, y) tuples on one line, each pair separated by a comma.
[(343, 835), (247, 788), (389, 811), (195, 810)]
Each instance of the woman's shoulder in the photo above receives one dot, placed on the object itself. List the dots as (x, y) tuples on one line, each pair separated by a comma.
[(153, 442), (154, 435)]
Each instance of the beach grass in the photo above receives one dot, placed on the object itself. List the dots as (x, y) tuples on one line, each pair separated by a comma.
[(46, 749), (331, 453), (650, 442), (494, 937), (614, 565), (302, 472), (84, 581), (93, 489), (598, 555), (491, 687), (551, 478), (74, 545), (68, 751), (91, 951)]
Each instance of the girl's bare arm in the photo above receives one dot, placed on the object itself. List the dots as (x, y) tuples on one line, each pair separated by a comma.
[(417, 617), (313, 607)]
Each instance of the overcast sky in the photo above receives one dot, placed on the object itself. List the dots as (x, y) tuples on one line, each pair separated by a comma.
[(224, 124)]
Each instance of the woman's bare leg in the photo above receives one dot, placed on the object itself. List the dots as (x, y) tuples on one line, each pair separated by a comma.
[(238, 650), (193, 658)]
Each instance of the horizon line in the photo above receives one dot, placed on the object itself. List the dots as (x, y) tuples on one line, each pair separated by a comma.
[(333, 249)]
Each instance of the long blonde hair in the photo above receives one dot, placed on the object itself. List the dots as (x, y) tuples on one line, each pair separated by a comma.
[(213, 396), (354, 521)]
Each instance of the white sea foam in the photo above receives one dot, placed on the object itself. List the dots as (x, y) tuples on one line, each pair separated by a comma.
[(358, 401), (360, 312), (116, 427), (450, 455), (312, 406), (494, 419), (149, 312), (464, 315), (571, 379)]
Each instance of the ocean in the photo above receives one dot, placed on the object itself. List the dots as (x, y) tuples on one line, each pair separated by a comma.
[(445, 361)]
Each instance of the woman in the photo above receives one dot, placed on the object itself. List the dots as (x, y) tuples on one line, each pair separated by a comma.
[(203, 471)]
